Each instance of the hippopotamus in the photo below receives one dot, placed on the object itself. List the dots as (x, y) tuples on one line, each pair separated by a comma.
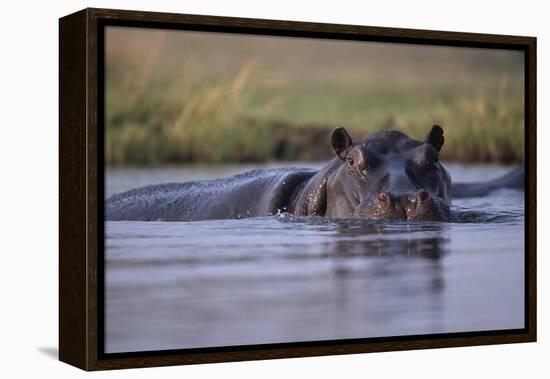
[(386, 176)]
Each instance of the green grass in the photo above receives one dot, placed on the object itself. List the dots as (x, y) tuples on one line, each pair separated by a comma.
[(245, 114)]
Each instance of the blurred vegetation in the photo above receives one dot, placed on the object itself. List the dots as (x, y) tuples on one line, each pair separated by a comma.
[(185, 97)]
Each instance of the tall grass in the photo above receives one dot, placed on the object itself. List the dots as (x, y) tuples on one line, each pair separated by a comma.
[(186, 121), (193, 113)]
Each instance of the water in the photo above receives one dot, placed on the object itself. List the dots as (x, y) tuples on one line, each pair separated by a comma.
[(174, 285)]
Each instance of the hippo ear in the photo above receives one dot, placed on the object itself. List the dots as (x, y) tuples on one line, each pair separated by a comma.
[(341, 142), (435, 137)]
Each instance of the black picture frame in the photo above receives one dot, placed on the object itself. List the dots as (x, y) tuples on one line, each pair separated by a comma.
[(81, 182)]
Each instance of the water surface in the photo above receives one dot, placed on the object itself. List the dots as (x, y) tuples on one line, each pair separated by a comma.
[(173, 285)]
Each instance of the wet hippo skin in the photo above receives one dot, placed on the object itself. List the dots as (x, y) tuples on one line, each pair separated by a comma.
[(386, 176)]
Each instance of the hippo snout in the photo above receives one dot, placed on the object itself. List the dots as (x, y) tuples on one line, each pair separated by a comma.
[(415, 206)]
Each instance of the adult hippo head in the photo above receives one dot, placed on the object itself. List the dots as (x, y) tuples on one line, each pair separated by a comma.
[(387, 176)]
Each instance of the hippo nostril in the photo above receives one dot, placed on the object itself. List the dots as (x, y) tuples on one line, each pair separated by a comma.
[(423, 195), (384, 197)]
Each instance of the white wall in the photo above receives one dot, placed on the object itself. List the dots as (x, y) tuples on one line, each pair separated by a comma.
[(28, 155)]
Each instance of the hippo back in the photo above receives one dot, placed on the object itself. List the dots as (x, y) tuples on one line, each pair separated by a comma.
[(251, 194)]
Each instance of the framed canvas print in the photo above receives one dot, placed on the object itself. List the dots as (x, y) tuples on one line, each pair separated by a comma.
[(238, 189)]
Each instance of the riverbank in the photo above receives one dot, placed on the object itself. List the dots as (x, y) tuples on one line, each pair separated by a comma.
[(179, 98), (484, 127)]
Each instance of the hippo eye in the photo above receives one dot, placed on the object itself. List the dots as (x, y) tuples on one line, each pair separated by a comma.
[(350, 161), (425, 163)]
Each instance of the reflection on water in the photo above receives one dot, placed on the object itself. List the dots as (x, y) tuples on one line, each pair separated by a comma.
[(173, 285)]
